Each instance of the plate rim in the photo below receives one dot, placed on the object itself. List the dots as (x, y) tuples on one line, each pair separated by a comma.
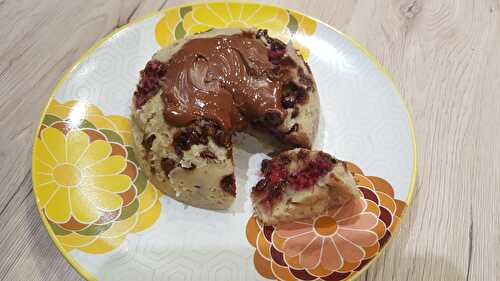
[(66, 74)]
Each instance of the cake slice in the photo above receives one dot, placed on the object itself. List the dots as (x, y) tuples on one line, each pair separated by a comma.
[(301, 183)]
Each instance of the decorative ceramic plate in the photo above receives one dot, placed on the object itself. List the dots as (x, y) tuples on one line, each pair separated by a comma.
[(110, 223)]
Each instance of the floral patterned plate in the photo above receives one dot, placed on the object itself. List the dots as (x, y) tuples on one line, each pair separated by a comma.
[(110, 223)]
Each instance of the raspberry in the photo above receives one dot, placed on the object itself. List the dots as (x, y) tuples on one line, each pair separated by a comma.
[(308, 176)]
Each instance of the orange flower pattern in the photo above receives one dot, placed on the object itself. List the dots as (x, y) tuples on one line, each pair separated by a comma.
[(86, 180), (334, 246)]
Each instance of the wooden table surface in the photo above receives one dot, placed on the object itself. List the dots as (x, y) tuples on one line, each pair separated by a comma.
[(445, 56)]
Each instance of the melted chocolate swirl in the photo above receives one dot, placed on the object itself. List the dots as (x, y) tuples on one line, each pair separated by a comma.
[(228, 79)]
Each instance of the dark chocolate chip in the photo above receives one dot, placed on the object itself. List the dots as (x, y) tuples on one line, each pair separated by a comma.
[(288, 101), (181, 142), (191, 135), (289, 95), (261, 33), (277, 45), (289, 88), (228, 184), (301, 95), (167, 165), (208, 154), (273, 118), (292, 93), (147, 142)]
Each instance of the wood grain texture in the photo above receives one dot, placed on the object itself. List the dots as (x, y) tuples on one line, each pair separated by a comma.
[(444, 55)]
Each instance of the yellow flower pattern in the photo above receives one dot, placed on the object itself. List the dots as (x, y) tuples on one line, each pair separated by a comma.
[(86, 180), (189, 20)]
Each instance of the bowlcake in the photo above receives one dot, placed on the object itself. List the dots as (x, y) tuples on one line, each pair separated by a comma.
[(195, 94)]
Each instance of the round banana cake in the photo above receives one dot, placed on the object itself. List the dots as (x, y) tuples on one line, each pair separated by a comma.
[(195, 94)]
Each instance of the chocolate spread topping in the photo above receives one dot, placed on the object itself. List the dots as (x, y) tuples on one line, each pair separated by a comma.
[(227, 79)]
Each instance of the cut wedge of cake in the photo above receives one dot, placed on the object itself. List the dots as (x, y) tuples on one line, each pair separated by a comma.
[(301, 183)]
